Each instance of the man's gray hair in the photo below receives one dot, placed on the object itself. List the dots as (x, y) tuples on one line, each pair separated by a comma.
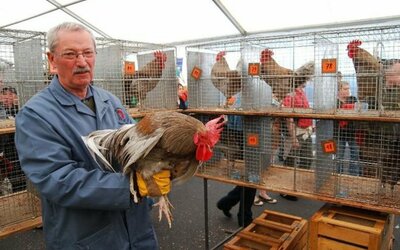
[(52, 35)]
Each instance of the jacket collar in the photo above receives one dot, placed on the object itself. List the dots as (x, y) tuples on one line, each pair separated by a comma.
[(65, 98)]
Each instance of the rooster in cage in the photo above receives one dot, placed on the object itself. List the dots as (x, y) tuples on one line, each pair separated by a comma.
[(144, 79), (162, 146), (282, 79), (227, 81), (368, 71)]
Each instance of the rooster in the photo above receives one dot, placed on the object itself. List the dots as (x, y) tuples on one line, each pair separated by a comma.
[(227, 81), (280, 78), (160, 142), (281, 81), (368, 69), (145, 79)]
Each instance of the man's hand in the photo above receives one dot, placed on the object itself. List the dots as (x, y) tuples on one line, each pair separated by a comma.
[(159, 184)]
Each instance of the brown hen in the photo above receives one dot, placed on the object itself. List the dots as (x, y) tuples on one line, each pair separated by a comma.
[(145, 79), (227, 81)]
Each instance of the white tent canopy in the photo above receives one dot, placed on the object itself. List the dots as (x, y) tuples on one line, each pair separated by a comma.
[(174, 21)]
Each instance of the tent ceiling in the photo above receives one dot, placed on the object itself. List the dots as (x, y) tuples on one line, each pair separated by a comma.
[(168, 21)]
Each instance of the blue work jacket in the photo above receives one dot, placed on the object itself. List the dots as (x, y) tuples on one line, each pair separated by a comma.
[(83, 207)]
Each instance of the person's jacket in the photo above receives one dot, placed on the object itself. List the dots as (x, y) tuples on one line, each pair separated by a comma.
[(83, 207)]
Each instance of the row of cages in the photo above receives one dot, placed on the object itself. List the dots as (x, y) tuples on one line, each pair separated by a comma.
[(266, 69), (352, 162), (142, 75), (349, 162)]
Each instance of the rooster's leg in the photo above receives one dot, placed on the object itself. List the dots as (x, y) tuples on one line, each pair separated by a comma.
[(132, 188), (164, 208)]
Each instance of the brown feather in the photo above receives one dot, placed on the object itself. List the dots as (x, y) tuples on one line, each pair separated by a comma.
[(367, 68), (227, 81)]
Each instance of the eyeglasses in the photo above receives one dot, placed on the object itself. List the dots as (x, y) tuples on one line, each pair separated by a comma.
[(72, 55)]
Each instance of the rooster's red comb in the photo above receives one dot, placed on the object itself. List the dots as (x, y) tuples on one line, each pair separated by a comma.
[(354, 44), (220, 55), (160, 56), (214, 128), (265, 54)]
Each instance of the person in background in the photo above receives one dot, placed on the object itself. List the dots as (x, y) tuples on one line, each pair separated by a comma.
[(183, 96), (83, 207), (263, 197), (346, 131), (392, 76), (299, 131), (9, 101), (245, 197), (298, 142), (232, 137)]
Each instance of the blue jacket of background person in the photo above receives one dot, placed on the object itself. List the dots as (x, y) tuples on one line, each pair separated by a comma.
[(83, 207), (235, 121)]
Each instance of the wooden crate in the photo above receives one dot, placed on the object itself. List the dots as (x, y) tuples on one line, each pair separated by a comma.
[(341, 227), (272, 231)]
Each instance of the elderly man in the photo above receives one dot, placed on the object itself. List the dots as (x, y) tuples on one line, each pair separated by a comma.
[(83, 207)]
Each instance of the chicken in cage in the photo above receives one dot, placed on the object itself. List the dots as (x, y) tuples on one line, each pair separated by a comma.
[(221, 78), (226, 80), (144, 80), (281, 79), (376, 76)]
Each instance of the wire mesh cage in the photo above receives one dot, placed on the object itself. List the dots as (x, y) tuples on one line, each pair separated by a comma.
[(367, 59), (305, 146), (19, 202), (247, 67), (348, 161), (242, 152), (142, 75), (23, 68), (272, 66)]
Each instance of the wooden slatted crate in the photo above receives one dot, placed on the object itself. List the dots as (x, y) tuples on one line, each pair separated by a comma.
[(340, 227), (272, 231)]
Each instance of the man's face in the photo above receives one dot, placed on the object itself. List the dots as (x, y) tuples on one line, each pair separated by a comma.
[(344, 91), (8, 98), (76, 72), (392, 76)]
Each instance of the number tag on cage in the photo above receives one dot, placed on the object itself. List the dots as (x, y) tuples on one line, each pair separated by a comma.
[(254, 69), (129, 68), (196, 73), (329, 146), (253, 140), (329, 65)]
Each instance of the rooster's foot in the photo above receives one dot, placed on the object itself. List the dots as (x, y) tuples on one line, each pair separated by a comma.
[(164, 208)]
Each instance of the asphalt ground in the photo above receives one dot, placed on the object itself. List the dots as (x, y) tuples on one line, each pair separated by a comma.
[(188, 227)]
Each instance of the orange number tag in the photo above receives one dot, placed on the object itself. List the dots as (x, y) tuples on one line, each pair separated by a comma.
[(252, 140), (129, 68), (254, 69), (329, 146), (329, 65), (196, 73)]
